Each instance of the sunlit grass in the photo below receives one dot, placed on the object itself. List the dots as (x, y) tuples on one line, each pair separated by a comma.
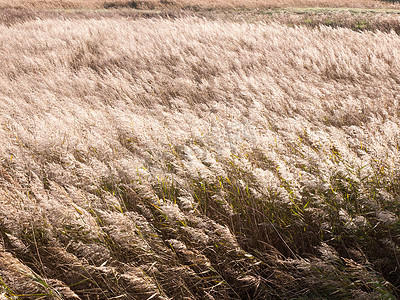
[(172, 158), (196, 4)]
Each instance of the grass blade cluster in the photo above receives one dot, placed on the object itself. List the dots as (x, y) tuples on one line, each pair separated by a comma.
[(198, 159)]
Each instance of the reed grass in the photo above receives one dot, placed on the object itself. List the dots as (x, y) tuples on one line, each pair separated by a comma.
[(194, 4), (192, 158)]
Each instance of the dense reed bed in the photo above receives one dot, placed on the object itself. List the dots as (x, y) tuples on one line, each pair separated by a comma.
[(195, 4), (198, 159)]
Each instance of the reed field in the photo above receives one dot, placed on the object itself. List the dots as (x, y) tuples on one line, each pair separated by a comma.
[(196, 4), (199, 155)]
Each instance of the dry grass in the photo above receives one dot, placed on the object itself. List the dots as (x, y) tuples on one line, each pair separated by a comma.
[(197, 4), (283, 3), (198, 159)]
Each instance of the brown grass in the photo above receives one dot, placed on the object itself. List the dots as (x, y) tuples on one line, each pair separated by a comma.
[(283, 3), (194, 4), (192, 158)]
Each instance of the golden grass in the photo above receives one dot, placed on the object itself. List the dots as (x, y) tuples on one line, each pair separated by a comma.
[(194, 158), (198, 4), (282, 3)]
